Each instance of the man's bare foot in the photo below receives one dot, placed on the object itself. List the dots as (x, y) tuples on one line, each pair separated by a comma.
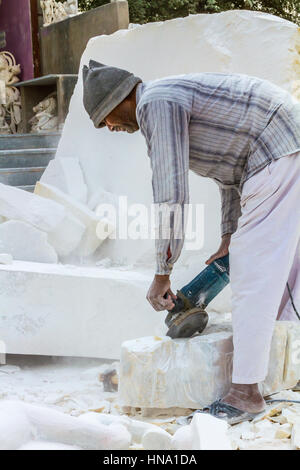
[(246, 398)]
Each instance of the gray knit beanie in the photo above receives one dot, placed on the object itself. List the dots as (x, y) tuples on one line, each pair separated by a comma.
[(104, 87)]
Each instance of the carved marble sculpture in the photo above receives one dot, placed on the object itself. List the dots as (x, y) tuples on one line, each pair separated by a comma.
[(54, 11), (4, 127), (71, 7), (2, 92), (45, 118), (10, 103)]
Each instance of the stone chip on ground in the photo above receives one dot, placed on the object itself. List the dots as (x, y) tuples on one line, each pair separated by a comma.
[(209, 433), (283, 431), (265, 444), (137, 428), (182, 439), (8, 369)]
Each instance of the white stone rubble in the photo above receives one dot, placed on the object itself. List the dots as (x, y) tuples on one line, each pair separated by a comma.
[(66, 175), (90, 240), (64, 230), (15, 427), (20, 423), (72, 386), (136, 428), (102, 197)]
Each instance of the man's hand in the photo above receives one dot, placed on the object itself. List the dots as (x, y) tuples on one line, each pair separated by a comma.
[(160, 286), (223, 249)]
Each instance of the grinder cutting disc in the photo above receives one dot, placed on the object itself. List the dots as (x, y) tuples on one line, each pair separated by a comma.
[(187, 323)]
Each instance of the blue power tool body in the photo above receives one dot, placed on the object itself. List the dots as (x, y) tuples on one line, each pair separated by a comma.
[(188, 316)]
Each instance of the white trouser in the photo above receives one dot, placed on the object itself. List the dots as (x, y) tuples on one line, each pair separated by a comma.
[(264, 255)]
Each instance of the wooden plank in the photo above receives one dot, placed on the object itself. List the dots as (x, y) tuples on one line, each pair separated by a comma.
[(45, 80), (2, 40), (35, 37)]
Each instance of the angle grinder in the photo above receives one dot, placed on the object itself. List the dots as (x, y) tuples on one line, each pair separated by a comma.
[(188, 316)]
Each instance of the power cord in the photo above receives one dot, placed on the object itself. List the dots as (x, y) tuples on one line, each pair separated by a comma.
[(282, 401), (292, 300)]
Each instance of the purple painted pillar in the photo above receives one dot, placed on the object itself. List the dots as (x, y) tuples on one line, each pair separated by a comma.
[(15, 20)]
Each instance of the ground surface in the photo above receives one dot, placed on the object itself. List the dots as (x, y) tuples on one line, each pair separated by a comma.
[(69, 384), (72, 385)]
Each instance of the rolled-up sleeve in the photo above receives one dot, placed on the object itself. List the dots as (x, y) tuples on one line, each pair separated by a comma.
[(231, 210), (165, 126)]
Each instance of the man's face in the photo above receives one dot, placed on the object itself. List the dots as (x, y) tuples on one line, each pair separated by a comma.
[(118, 125), (122, 118)]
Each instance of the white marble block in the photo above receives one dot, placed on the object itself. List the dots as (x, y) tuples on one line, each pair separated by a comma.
[(26, 243), (6, 258), (90, 241), (161, 373), (21, 205), (64, 230), (66, 175), (190, 373), (238, 41), (67, 236), (75, 311)]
